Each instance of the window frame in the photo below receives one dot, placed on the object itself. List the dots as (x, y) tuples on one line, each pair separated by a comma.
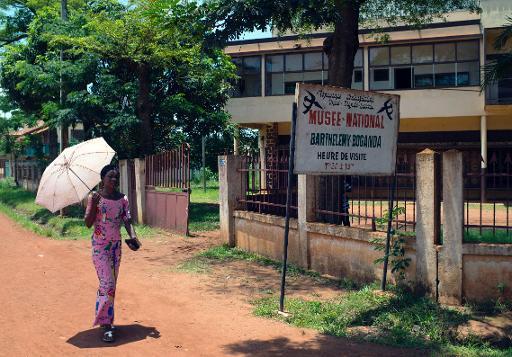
[(432, 63), (241, 73), (324, 70)]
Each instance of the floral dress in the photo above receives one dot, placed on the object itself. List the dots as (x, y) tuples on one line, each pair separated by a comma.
[(106, 253)]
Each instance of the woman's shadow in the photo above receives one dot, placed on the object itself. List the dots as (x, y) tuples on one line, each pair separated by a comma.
[(124, 334)]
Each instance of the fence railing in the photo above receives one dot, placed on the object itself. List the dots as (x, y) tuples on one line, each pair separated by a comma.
[(363, 201), (169, 169), (489, 216), (265, 183)]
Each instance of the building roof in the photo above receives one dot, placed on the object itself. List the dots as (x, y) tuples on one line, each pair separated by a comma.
[(36, 129)]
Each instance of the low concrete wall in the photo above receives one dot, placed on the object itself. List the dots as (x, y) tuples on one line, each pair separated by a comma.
[(264, 234), (484, 268), (346, 252), (342, 252)]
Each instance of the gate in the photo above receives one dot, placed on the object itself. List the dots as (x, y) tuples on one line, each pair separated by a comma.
[(168, 189)]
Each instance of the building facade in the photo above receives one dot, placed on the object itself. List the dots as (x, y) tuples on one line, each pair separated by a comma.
[(435, 70)]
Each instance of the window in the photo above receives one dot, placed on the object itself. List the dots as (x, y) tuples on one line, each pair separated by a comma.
[(446, 64), (283, 71), (249, 71)]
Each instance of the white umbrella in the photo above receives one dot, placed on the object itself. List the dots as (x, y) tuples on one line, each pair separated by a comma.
[(70, 177)]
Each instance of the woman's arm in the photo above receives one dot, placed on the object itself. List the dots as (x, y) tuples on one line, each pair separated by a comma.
[(129, 229), (90, 212)]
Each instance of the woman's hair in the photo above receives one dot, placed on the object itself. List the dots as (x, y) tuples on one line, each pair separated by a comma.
[(106, 169)]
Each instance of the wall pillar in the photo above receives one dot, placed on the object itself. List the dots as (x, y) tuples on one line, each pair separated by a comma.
[(236, 141), (427, 221), (306, 213), (263, 157), (450, 253), (140, 187), (483, 154), (231, 182), (123, 176)]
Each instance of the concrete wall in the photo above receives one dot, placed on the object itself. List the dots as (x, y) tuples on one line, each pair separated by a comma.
[(414, 104), (264, 234), (484, 268), (341, 252), (346, 252)]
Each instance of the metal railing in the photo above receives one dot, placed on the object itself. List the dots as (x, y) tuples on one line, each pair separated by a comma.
[(488, 216), (170, 169), (264, 184), (363, 201)]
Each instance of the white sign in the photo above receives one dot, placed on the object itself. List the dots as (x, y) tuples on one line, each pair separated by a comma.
[(345, 132)]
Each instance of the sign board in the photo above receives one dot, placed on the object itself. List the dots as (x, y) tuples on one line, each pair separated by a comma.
[(345, 132)]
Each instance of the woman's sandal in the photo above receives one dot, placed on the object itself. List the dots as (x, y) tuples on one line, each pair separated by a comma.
[(108, 334)]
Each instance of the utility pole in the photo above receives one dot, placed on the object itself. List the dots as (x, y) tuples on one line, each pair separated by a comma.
[(63, 129), (203, 151)]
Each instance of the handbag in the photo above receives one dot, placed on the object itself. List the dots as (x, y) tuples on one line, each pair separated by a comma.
[(133, 243)]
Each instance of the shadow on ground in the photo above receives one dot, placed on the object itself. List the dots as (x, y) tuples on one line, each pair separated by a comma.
[(320, 346), (124, 334)]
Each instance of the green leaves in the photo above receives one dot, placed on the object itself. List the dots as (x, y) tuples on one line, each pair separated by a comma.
[(127, 69)]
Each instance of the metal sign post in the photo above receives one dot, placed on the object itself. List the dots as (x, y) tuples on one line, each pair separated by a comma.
[(339, 131), (287, 216), (388, 234)]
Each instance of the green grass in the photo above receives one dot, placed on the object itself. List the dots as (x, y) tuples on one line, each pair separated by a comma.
[(19, 205), (500, 236), (203, 262), (397, 317), (204, 208)]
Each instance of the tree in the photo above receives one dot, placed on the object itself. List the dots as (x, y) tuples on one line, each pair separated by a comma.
[(130, 73), (179, 81), (233, 17)]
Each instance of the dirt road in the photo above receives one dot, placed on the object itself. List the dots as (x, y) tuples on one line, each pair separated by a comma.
[(47, 294)]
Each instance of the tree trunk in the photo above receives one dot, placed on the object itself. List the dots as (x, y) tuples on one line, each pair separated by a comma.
[(341, 47), (145, 108)]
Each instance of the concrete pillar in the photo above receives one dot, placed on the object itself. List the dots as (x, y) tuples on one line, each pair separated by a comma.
[(263, 156), (263, 73), (231, 182), (483, 153), (450, 253), (236, 141), (140, 187), (306, 213), (366, 71), (123, 176), (427, 221)]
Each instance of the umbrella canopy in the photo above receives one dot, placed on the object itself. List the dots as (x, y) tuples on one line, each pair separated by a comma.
[(72, 175)]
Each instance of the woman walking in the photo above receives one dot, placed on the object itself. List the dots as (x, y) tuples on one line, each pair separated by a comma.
[(106, 210)]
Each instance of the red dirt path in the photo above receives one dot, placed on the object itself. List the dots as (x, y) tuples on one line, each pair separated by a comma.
[(48, 291)]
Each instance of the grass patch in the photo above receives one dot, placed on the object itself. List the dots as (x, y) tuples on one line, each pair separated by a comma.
[(224, 253), (211, 195), (397, 318), (204, 208), (18, 204), (499, 236)]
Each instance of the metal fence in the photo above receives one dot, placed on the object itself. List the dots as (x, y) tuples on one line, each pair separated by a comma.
[(265, 183), (363, 201), (488, 217), (169, 169)]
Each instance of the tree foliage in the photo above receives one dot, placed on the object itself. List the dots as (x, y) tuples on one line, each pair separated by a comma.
[(344, 17), (138, 74)]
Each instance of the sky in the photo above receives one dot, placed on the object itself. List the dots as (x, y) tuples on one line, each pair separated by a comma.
[(256, 34)]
